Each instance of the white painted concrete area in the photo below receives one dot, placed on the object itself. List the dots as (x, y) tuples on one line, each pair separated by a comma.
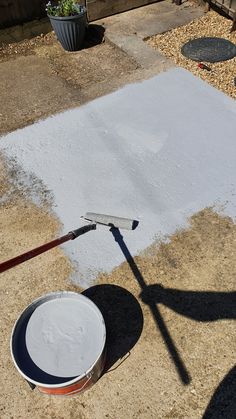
[(157, 151)]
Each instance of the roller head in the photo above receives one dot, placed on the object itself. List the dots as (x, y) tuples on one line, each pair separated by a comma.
[(111, 221)]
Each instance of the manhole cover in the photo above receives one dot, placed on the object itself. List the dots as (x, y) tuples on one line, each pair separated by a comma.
[(209, 49)]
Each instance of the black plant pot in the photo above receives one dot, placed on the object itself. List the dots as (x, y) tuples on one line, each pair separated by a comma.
[(70, 30)]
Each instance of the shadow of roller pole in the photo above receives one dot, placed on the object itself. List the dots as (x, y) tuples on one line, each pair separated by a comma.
[(178, 362)]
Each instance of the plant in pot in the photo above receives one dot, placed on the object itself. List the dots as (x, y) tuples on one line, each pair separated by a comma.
[(69, 21)]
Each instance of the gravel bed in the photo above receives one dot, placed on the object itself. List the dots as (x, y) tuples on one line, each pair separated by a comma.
[(25, 47), (222, 74)]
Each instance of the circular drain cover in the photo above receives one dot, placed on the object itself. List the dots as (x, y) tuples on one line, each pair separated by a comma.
[(211, 50)]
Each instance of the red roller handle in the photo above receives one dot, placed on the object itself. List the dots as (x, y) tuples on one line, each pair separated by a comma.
[(4, 266)]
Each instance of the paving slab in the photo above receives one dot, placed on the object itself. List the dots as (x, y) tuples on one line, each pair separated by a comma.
[(44, 79), (128, 30), (152, 19), (29, 90), (149, 151)]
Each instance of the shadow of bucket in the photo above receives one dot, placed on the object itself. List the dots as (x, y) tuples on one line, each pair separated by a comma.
[(123, 319), (32, 337)]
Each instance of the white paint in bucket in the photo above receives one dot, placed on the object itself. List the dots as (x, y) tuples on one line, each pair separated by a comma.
[(65, 336)]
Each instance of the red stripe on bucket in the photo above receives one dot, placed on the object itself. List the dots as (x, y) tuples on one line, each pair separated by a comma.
[(65, 391)]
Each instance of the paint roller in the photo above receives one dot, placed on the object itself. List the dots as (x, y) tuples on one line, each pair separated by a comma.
[(111, 221), (93, 219)]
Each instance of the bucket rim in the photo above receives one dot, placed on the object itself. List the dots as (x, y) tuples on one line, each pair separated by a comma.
[(49, 296)]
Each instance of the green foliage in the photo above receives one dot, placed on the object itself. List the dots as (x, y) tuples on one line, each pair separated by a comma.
[(64, 8)]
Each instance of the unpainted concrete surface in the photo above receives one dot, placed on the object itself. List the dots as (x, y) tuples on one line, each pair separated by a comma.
[(38, 78), (49, 80), (155, 18)]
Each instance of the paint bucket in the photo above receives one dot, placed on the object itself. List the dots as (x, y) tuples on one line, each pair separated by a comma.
[(58, 343)]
